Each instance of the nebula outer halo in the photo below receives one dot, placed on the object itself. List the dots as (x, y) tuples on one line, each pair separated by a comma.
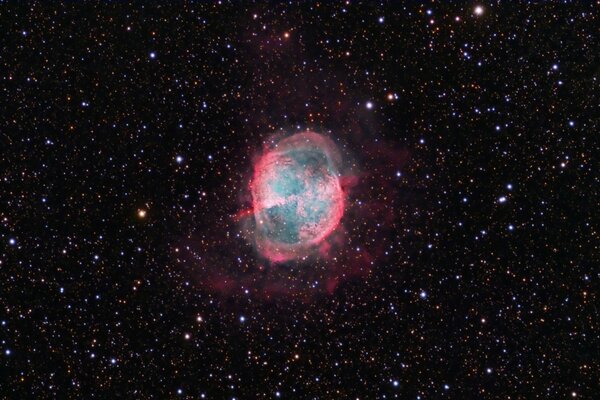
[(297, 197)]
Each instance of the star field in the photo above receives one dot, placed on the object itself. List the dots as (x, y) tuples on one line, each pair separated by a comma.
[(466, 264)]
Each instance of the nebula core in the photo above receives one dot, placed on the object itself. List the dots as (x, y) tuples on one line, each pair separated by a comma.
[(297, 197)]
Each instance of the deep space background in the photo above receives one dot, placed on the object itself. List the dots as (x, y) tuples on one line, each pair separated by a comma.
[(467, 264)]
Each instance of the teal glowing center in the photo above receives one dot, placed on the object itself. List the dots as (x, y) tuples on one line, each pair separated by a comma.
[(297, 196)]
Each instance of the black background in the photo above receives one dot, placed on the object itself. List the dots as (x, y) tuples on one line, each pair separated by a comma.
[(464, 296)]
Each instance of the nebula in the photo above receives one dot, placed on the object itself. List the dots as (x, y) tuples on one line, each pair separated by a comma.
[(297, 197), (301, 202)]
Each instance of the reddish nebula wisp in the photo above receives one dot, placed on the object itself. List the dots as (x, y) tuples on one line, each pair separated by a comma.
[(297, 197)]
